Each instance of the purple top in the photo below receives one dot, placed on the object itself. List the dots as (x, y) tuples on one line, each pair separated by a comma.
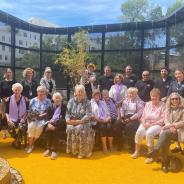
[(57, 113)]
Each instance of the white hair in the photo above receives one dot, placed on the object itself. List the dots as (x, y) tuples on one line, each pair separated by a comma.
[(57, 94), (17, 85), (41, 88)]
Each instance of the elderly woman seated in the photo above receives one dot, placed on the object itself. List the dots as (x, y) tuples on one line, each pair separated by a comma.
[(130, 114), (16, 108), (151, 123), (38, 109), (101, 116), (172, 130), (80, 135), (56, 122)]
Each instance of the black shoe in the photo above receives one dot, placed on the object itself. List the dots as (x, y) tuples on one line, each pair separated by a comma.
[(152, 154), (176, 150)]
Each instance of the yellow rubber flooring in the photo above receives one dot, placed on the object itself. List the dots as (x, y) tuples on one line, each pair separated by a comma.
[(115, 168)]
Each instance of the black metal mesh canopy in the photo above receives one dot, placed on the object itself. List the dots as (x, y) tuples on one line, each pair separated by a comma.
[(144, 45)]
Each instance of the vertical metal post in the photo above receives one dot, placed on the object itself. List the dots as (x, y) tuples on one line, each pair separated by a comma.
[(142, 51), (167, 46), (40, 52), (102, 52), (13, 49)]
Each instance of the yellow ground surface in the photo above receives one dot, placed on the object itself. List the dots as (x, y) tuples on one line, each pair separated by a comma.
[(116, 168)]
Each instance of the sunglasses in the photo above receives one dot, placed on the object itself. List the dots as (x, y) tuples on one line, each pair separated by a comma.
[(174, 98)]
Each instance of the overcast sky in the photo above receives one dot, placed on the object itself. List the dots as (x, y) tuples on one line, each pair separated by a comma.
[(70, 13)]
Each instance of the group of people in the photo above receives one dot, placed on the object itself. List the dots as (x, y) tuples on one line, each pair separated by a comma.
[(115, 108)]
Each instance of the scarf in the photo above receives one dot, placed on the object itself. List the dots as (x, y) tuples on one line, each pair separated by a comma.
[(57, 112), (16, 112), (118, 88)]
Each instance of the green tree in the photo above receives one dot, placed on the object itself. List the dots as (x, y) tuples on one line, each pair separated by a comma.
[(177, 4), (155, 12), (134, 10), (74, 57)]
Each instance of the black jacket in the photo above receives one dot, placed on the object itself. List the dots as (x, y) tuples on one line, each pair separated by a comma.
[(163, 86)]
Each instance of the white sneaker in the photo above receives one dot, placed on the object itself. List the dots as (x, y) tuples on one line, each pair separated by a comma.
[(46, 153), (30, 149), (149, 161), (53, 155), (89, 155), (135, 155), (80, 156)]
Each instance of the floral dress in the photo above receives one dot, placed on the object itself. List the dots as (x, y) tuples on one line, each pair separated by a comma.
[(80, 138)]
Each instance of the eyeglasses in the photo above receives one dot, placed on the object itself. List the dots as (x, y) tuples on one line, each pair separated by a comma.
[(174, 99), (146, 75)]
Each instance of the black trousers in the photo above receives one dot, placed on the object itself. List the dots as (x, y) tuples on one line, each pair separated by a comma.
[(129, 129), (164, 143), (52, 136)]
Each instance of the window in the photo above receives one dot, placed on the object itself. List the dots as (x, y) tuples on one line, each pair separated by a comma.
[(20, 42), (0, 57), (6, 57), (25, 34), (3, 38), (3, 48)]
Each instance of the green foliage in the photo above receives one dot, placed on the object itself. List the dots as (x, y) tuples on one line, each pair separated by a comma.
[(174, 7), (155, 13), (134, 10), (73, 58)]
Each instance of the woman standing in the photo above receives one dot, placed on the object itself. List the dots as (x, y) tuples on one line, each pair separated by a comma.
[(80, 135), (29, 84), (6, 84), (5, 92), (48, 82), (118, 91)]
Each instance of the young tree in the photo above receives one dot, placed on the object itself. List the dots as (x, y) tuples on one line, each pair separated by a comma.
[(73, 58)]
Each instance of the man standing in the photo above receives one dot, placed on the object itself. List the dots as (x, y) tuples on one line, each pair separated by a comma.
[(106, 80), (144, 86), (164, 83), (129, 77)]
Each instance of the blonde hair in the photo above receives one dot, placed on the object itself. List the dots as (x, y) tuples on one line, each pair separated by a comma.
[(95, 92), (80, 87), (24, 73), (119, 76), (155, 91), (105, 91), (17, 85), (57, 94), (132, 90)]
